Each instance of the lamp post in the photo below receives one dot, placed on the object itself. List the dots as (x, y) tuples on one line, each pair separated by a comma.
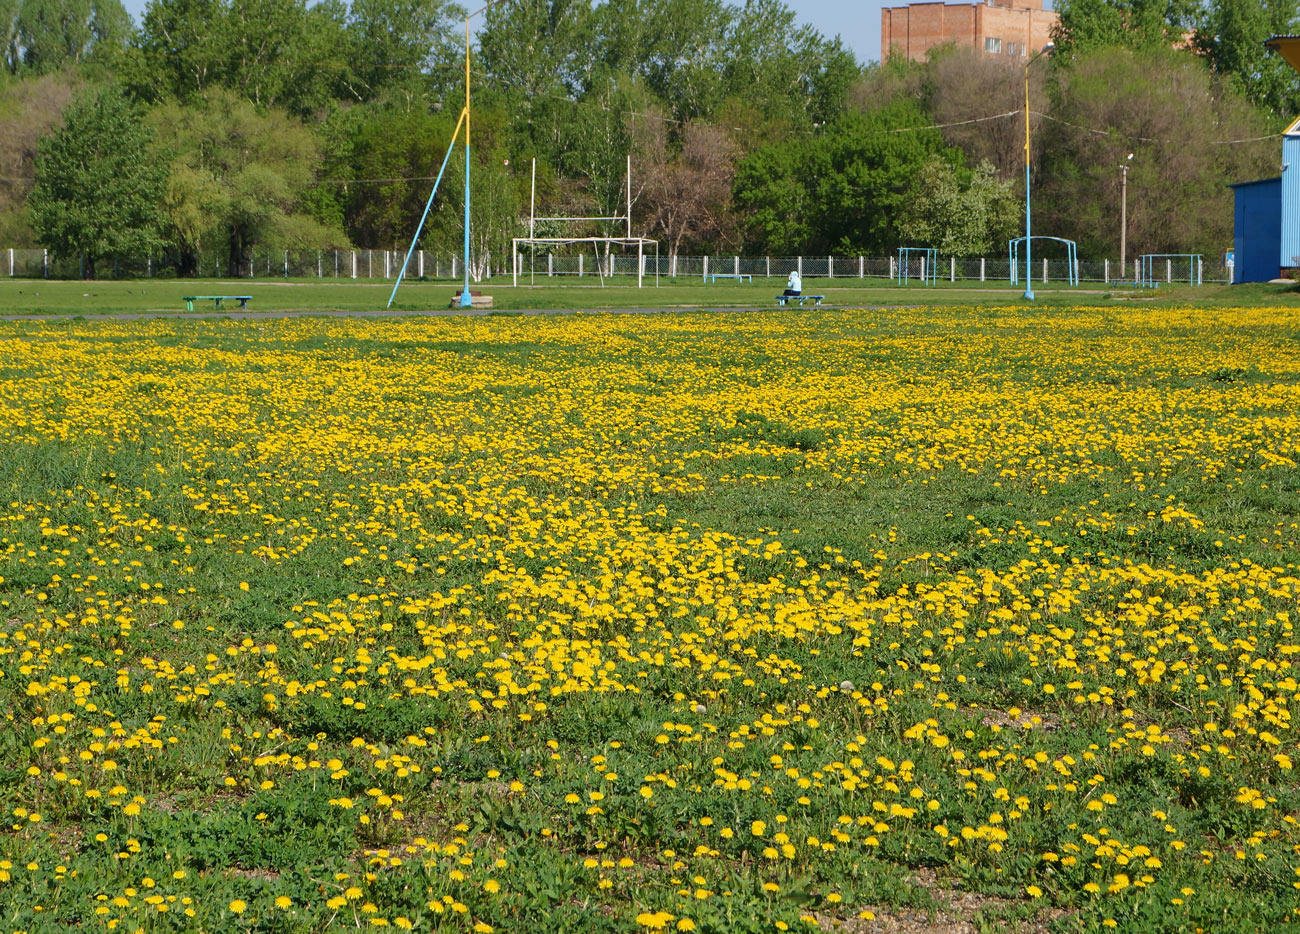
[(1029, 275), (1123, 215), (466, 300)]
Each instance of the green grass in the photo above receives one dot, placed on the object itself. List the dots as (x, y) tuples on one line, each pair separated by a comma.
[(521, 613), (59, 297)]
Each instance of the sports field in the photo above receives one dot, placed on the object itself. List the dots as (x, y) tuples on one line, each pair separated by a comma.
[(922, 620), (314, 296)]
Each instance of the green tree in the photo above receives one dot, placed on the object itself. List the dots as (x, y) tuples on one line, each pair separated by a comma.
[(97, 188), (399, 44), (1231, 36), (1108, 106), (959, 212), (11, 58), (842, 189), (274, 53), (51, 34), (239, 179), (387, 143), (178, 49), (1132, 24)]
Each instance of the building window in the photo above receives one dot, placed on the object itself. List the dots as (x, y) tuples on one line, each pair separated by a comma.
[(993, 45), (1015, 48)]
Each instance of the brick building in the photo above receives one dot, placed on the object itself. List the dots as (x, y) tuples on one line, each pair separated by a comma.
[(1011, 29)]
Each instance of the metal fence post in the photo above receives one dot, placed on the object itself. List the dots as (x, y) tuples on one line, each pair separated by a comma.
[(952, 269), (861, 268), (580, 256), (799, 266), (354, 264), (737, 270), (767, 267), (550, 264), (981, 269), (830, 267), (1106, 270), (11, 262), (1044, 270), (1169, 271), (420, 265)]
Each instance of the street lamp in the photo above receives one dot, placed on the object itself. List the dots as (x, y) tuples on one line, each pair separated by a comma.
[(1029, 276), (1123, 214), (466, 300)]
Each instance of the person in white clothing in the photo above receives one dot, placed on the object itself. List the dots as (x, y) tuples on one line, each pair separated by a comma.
[(794, 285)]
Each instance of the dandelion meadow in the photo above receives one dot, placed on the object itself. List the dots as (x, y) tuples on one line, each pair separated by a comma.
[(811, 620)]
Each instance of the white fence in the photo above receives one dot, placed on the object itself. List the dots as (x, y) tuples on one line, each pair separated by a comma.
[(385, 264)]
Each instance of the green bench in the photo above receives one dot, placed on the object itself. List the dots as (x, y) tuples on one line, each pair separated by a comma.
[(787, 299), (189, 300)]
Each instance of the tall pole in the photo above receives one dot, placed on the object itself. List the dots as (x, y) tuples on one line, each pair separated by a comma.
[(466, 300), (1029, 274), (1123, 217)]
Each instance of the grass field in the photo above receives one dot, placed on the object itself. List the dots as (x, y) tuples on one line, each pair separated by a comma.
[(61, 297), (886, 620)]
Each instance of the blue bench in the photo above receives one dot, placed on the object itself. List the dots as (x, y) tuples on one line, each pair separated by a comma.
[(189, 300), (787, 299), (738, 276)]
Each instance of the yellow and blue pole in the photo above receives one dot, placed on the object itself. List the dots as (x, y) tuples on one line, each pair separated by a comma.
[(466, 300), (1029, 272)]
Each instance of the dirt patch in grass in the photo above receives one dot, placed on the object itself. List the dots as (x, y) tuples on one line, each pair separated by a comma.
[(959, 913), (1025, 719)]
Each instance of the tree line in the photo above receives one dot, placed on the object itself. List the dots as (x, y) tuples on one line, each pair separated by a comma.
[(229, 126)]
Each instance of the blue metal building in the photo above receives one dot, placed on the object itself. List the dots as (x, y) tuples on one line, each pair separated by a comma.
[(1266, 228), (1289, 252), (1257, 230)]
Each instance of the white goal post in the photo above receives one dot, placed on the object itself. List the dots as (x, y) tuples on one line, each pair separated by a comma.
[(642, 244)]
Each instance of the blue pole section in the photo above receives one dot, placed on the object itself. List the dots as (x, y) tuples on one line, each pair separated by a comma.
[(466, 300), (1029, 270), (401, 273), (1029, 248)]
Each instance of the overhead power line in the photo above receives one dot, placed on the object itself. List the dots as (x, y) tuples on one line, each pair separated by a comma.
[(880, 132), (1152, 139)]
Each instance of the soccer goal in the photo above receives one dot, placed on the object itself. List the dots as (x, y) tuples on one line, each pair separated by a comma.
[(1154, 268), (645, 246)]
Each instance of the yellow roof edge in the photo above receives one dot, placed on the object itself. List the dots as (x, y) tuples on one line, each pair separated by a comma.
[(1288, 47)]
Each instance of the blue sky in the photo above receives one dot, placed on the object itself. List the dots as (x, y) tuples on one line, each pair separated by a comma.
[(857, 22)]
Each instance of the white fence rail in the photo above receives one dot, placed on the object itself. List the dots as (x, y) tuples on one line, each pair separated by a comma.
[(385, 264)]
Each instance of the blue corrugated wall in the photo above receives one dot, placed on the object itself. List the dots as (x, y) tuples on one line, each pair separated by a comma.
[(1289, 252), (1257, 229)]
